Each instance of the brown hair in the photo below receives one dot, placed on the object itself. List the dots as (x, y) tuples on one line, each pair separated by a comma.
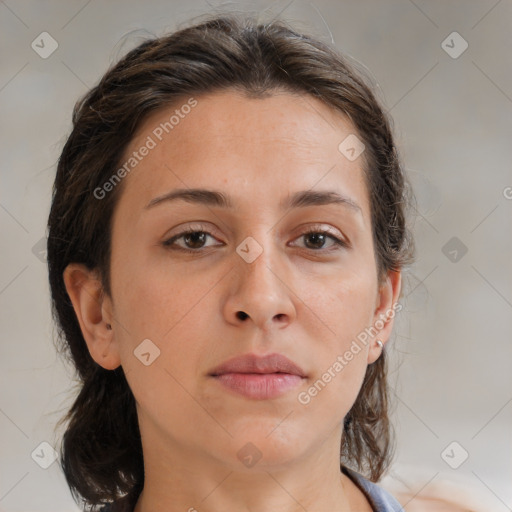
[(101, 453)]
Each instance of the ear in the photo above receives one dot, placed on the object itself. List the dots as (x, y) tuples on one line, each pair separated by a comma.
[(94, 312), (385, 311)]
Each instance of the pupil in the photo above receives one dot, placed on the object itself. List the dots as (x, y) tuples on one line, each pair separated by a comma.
[(194, 236), (317, 236)]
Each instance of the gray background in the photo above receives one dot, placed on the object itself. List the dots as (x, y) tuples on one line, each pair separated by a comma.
[(452, 349)]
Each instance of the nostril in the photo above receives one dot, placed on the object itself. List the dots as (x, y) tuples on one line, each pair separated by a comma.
[(241, 315)]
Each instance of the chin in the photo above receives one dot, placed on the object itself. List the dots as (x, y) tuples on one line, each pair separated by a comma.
[(268, 445)]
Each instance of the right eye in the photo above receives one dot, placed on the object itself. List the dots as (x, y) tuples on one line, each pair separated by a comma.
[(193, 239)]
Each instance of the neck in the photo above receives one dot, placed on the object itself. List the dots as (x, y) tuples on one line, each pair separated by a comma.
[(190, 481)]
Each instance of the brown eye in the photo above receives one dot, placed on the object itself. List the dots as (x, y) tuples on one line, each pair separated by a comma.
[(193, 241), (317, 238)]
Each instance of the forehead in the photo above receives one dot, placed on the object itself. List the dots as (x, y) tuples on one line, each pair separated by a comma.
[(261, 148)]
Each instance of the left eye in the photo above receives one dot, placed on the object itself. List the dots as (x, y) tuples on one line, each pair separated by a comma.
[(319, 237), (195, 240)]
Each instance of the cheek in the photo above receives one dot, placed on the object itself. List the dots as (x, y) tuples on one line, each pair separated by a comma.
[(153, 295), (341, 358), (159, 317), (355, 309), (343, 306), (163, 388)]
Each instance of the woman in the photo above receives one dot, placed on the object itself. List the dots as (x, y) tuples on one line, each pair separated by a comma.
[(226, 242)]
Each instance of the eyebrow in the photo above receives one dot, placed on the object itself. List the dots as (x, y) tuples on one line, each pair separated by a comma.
[(301, 199)]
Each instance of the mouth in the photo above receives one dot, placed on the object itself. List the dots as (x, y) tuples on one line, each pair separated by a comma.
[(259, 386), (259, 377)]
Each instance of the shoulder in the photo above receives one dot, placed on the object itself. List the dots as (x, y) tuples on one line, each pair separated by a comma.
[(380, 499)]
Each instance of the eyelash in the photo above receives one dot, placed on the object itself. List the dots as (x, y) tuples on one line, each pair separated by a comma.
[(338, 243)]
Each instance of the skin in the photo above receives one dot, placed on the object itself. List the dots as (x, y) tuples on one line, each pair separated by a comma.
[(304, 299)]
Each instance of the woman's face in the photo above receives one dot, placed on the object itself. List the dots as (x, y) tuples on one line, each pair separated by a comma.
[(174, 312)]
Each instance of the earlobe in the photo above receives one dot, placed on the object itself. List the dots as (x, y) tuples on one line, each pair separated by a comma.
[(94, 313), (385, 312)]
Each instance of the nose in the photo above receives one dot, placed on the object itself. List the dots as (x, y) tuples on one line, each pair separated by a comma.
[(261, 292)]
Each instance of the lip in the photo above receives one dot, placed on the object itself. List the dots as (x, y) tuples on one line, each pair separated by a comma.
[(259, 377), (252, 363)]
